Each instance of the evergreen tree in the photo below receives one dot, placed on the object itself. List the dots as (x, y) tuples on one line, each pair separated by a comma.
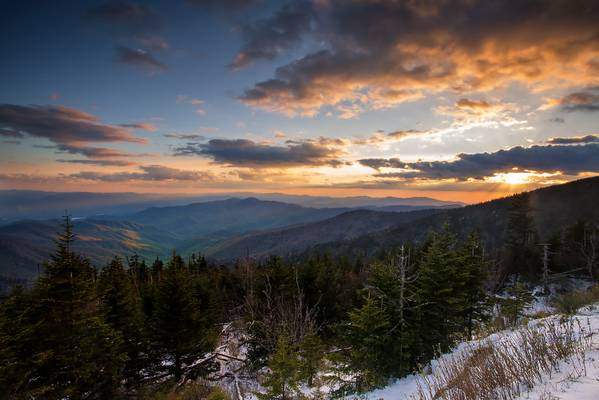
[(311, 356), (472, 273), (283, 380), (74, 353), (16, 344), (369, 337), (520, 242), (121, 310), (518, 298), (440, 293), (180, 331)]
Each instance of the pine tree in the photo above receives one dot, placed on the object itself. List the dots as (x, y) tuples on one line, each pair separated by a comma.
[(120, 307), (368, 336), (521, 237), (179, 329), (472, 274), (440, 295), (518, 298), (311, 357), (283, 380), (16, 344), (75, 354)]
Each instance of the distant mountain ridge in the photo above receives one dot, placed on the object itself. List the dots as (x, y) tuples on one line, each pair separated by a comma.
[(292, 239), (232, 216), (231, 228), (31, 204)]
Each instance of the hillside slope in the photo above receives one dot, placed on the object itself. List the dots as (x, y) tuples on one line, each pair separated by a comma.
[(574, 378), (227, 217), (26, 244), (297, 238), (553, 208)]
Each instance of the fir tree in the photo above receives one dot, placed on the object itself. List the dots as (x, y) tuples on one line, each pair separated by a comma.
[(16, 344), (520, 241), (283, 379), (179, 330), (440, 295), (311, 356), (121, 310), (75, 354), (472, 274), (368, 336)]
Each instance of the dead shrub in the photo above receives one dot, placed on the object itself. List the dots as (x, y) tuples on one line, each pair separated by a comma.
[(508, 367)]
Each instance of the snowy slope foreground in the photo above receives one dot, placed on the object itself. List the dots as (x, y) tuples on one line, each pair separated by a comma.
[(549, 359)]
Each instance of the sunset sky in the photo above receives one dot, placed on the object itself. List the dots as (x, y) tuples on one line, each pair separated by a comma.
[(454, 99)]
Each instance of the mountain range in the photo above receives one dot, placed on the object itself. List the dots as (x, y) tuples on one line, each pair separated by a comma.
[(225, 229), (32, 204)]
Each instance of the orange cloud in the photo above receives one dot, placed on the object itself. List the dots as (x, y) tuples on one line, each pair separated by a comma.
[(460, 47)]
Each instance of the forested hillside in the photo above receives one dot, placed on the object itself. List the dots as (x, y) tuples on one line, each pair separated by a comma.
[(289, 240), (551, 210)]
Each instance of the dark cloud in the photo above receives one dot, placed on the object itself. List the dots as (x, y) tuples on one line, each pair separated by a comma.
[(575, 140), (146, 126), (570, 160), (95, 152), (184, 136), (61, 125), (133, 23), (267, 38), (8, 132), (104, 163), (247, 153), (11, 142), (580, 101), (558, 120), (127, 18), (229, 6), (139, 58), (370, 48), (148, 173)]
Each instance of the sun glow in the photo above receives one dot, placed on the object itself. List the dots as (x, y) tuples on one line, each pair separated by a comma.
[(520, 178)]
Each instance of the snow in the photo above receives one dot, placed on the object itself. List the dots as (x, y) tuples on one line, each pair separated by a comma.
[(568, 382)]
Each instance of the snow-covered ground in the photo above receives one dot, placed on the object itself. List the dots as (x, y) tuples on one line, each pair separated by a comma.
[(570, 380)]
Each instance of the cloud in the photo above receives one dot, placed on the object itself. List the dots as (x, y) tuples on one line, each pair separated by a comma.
[(148, 173), (184, 136), (575, 140), (95, 152), (139, 58), (578, 101), (265, 39), (368, 47), (380, 137), (247, 153), (135, 24), (569, 160), (127, 18), (111, 163), (61, 125), (468, 114), (229, 6), (140, 125)]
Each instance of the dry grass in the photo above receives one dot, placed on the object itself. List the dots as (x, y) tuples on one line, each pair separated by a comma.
[(505, 369), (570, 302)]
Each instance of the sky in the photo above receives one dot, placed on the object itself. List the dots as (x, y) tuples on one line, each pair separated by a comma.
[(453, 99)]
